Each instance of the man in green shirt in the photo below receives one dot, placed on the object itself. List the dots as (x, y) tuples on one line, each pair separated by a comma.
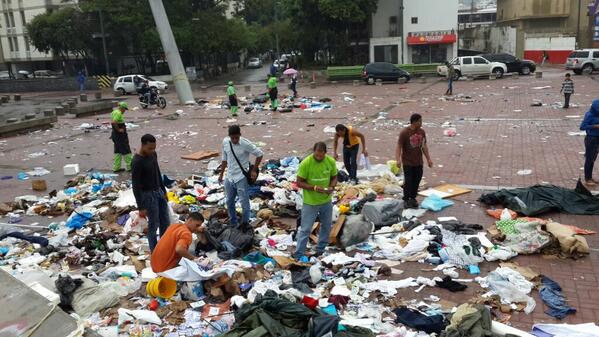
[(273, 92), (232, 93), (120, 138), (317, 176)]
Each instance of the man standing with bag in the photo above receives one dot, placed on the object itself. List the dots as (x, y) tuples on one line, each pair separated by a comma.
[(410, 147), (317, 176), (240, 174), (120, 139)]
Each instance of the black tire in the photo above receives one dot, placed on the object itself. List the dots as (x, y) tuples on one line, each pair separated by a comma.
[(498, 72), (525, 70), (161, 102), (123, 92), (406, 77), (588, 68), (578, 72), (370, 80)]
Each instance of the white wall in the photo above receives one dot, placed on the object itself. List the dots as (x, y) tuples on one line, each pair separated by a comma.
[(489, 39), (380, 19), (549, 43)]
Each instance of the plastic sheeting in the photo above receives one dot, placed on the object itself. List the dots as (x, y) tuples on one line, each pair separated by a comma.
[(188, 270), (382, 213), (540, 199)]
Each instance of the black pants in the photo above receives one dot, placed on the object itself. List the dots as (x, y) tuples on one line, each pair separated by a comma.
[(567, 100), (350, 159), (412, 176), (591, 149)]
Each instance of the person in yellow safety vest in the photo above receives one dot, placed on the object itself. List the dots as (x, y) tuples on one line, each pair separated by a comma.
[(273, 92), (351, 143), (120, 138), (232, 93)]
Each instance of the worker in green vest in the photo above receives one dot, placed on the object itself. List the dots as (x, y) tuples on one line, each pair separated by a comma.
[(232, 93), (120, 138), (273, 92)]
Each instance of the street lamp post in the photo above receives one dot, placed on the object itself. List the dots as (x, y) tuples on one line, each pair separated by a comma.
[(106, 64)]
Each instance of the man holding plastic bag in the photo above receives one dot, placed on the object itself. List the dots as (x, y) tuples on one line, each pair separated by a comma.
[(351, 144), (410, 147)]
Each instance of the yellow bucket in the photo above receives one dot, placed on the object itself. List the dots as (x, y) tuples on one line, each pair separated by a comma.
[(161, 287)]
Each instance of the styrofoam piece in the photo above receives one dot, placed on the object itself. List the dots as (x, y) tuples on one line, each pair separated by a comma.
[(71, 169)]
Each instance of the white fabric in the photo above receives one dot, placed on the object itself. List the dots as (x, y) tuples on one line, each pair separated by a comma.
[(188, 271), (569, 330)]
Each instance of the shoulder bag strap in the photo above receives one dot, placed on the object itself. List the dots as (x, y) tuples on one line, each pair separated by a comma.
[(245, 173)]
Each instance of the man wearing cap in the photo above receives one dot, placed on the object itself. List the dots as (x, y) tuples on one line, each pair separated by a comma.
[(232, 93), (120, 139), (273, 92)]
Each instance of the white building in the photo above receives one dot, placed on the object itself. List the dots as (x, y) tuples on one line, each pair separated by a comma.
[(414, 31), (17, 51)]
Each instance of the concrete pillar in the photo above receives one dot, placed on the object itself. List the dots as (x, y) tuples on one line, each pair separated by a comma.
[(492, 77), (539, 74), (98, 95), (204, 88), (11, 120), (356, 83), (422, 79), (17, 97), (248, 88), (83, 97), (29, 116), (4, 99), (515, 76), (71, 104), (66, 108), (48, 112), (59, 110), (312, 85)]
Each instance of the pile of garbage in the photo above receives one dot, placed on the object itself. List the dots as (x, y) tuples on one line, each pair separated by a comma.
[(96, 262)]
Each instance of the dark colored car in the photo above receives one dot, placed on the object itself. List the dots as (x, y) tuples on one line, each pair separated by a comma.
[(514, 64), (383, 71)]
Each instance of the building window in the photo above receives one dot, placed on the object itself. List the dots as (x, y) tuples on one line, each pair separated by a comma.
[(10, 44), (6, 20), (414, 20), (388, 53), (16, 43), (23, 22), (27, 43), (393, 26), (432, 53), (12, 19)]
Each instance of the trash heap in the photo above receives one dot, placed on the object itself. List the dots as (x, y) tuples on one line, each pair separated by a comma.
[(96, 262)]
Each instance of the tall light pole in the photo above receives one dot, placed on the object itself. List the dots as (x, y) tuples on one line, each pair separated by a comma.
[(169, 45), (104, 41)]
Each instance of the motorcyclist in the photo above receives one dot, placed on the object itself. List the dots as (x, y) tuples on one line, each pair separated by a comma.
[(145, 91)]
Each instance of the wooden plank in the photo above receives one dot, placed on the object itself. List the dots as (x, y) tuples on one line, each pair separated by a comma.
[(445, 191), (336, 229), (314, 232), (201, 155)]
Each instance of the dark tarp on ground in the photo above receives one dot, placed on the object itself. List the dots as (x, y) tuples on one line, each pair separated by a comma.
[(271, 315), (540, 199)]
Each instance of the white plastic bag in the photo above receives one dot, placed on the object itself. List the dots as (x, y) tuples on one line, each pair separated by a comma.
[(135, 223), (364, 162)]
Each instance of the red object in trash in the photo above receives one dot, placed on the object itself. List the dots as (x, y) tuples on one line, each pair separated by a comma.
[(310, 302), (153, 305), (303, 106)]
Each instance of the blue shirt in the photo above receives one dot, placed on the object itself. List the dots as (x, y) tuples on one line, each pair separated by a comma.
[(243, 149), (591, 118)]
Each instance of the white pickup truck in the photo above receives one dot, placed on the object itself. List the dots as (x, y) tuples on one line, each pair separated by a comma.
[(474, 66)]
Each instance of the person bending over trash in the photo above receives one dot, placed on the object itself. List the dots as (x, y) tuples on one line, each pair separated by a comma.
[(352, 139), (174, 244)]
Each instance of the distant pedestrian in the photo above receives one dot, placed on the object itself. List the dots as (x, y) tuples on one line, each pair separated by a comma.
[(352, 139), (567, 90), (149, 190), (273, 92), (232, 93), (317, 176), (410, 147), (545, 58), (590, 124), (120, 138), (273, 70), (450, 76), (294, 85), (81, 78)]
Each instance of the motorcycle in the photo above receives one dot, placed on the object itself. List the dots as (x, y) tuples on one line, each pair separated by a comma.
[(155, 99)]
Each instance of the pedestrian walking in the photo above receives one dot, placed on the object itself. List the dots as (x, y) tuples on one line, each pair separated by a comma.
[(240, 174), (590, 124), (410, 147), (149, 189), (450, 76), (317, 176), (567, 90), (232, 93), (545, 58), (352, 139), (119, 137), (273, 92), (294, 85), (81, 78)]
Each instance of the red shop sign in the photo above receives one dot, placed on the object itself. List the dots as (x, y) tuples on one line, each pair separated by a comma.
[(432, 39)]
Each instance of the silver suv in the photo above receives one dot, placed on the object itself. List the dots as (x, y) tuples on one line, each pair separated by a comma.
[(584, 60)]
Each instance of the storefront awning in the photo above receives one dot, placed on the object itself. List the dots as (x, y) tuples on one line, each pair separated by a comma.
[(432, 39)]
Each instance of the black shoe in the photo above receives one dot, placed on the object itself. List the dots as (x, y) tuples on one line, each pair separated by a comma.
[(119, 170)]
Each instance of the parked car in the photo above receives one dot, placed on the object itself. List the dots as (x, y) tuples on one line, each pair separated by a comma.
[(4, 75), (23, 74), (128, 84), (474, 66), (254, 62), (513, 64), (583, 61), (46, 74), (383, 71)]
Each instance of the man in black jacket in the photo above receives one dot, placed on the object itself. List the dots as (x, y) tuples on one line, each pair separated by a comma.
[(149, 189)]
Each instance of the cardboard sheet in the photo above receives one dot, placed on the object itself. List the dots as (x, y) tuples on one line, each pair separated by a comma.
[(201, 155), (445, 191)]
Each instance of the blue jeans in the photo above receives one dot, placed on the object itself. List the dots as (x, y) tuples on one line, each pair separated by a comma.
[(591, 147), (234, 190), (309, 213), (158, 217), (350, 159), (450, 86)]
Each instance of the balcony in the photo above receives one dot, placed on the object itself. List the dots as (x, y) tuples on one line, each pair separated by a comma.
[(11, 30)]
